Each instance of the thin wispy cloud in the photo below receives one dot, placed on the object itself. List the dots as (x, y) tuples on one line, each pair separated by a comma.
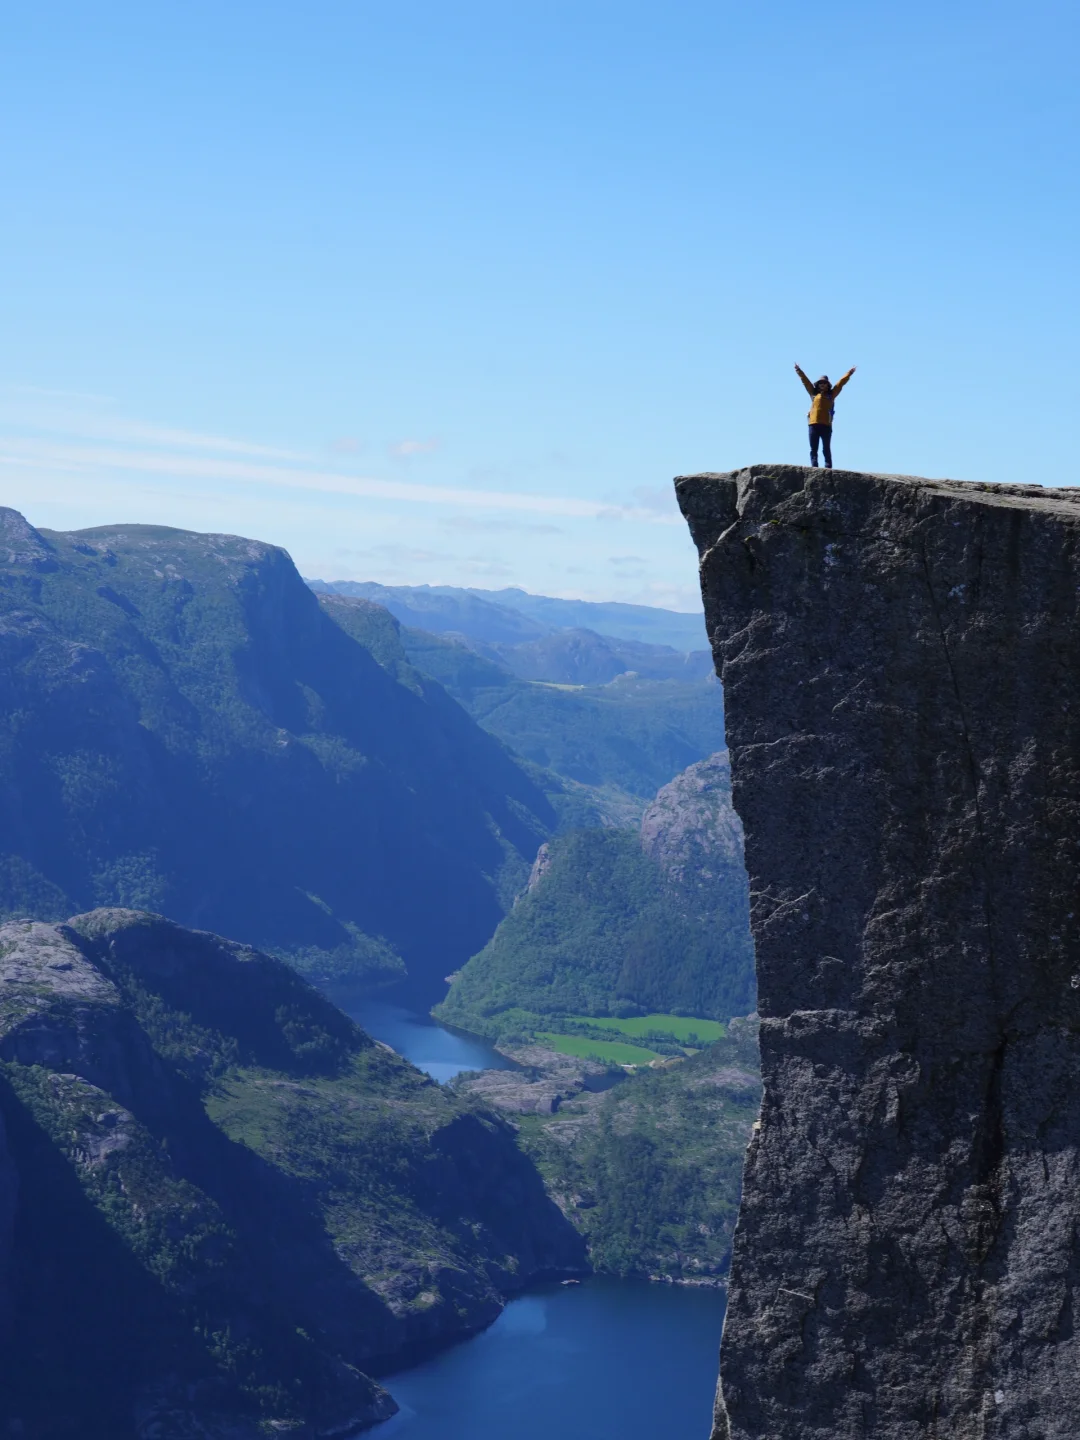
[(414, 447), (473, 525), (182, 463), (487, 569), (39, 391), (67, 413), (114, 428), (397, 554), (70, 463)]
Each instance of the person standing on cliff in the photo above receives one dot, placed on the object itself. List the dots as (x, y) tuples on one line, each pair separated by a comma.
[(823, 395)]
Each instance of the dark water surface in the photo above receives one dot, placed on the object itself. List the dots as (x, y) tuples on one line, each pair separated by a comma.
[(605, 1360), (431, 1047)]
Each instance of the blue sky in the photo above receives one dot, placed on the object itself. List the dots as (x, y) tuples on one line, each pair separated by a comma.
[(448, 292)]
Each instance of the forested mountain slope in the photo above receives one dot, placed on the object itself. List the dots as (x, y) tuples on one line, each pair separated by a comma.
[(650, 1171), (222, 1206), (618, 922), (185, 729), (600, 752)]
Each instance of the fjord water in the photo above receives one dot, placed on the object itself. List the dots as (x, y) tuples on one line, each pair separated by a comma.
[(605, 1358), (439, 1052), (602, 1359)]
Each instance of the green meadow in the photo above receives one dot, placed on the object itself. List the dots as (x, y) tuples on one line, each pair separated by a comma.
[(607, 1050), (684, 1028)]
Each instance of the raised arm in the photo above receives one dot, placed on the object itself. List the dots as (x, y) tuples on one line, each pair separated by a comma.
[(841, 382), (802, 376)]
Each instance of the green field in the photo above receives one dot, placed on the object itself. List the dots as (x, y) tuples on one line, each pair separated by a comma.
[(679, 1027), (614, 1050)]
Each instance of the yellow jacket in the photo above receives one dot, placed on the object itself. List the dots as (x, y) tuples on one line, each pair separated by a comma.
[(821, 401)]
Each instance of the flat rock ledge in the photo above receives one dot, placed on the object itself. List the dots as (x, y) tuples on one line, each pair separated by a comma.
[(901, 667)]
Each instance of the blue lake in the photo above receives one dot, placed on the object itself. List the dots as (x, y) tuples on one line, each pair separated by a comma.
[(605, 1360), (440, 1052)]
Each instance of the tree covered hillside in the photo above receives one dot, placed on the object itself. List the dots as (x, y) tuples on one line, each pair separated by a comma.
[(184, 729), (650, 1171), (607, 701), (599, 751), (620, 922)]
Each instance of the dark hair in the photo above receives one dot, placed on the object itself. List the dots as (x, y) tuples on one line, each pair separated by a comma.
[(823, 380)]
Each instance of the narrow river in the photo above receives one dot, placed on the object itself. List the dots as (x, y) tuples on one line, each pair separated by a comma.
[(605, 1360)]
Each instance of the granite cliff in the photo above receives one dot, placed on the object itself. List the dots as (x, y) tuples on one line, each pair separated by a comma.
[(900, 660)]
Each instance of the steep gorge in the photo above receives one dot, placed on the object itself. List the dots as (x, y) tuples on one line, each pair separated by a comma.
[(901, 667)]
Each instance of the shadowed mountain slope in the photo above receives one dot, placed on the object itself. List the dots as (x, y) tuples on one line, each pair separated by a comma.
[(185, 729), (223, 1205)]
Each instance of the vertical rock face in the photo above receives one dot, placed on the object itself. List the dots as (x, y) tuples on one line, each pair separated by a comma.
[(9, 1195), (901, 664)]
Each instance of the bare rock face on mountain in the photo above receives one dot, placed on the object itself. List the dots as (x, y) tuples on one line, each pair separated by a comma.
[(690, 829), (900, 660)]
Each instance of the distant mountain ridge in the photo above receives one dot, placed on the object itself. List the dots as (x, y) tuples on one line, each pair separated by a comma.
[(584, 657), (601, 750), (512, 616), (649, 624)]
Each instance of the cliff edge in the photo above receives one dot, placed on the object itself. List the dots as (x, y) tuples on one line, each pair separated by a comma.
[(901, 665)]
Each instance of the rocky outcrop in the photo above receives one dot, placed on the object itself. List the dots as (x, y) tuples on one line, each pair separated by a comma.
[(542, 1083), (901, 664), (657, 920), (540, 866), (691, 829)]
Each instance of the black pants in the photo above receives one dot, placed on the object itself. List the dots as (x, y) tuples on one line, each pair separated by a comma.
[(824, 434)]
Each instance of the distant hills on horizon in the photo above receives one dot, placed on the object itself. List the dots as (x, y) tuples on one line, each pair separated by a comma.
[(512, 616)]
